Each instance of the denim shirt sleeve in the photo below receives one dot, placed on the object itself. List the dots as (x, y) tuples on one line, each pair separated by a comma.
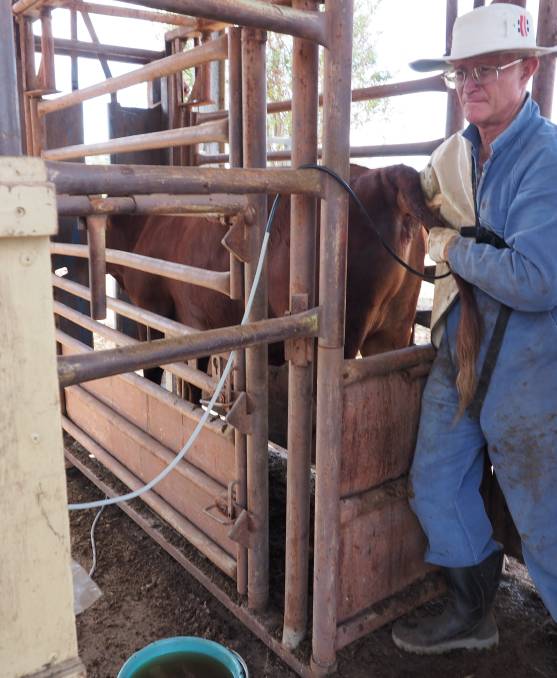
[(524, 276)]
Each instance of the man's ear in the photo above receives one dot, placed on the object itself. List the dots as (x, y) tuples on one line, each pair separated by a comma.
[(529, 66)]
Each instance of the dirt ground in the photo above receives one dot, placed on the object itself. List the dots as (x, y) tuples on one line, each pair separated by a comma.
[(148, 596)]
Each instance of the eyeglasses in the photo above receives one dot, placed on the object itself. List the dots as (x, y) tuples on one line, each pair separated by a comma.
[(483, 75)]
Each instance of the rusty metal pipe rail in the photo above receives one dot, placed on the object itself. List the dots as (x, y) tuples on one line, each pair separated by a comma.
[(434, 83), (190, 374), (384, 150), (213, 50), (155, 203), (213, 280), (182, 136), (139, 315), (80, 368), (117, 180), (253, 14), (122, 12), (91, 50)]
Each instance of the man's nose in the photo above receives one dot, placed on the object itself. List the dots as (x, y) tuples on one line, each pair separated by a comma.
[(470, 84)]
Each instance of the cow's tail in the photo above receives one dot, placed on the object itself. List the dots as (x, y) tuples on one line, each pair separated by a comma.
[(468, 340)]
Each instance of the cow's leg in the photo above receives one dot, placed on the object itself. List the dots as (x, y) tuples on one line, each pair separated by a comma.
[(153, 374)]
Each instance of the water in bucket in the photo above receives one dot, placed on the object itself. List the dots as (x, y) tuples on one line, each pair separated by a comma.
[(184, 657), (183, 665)]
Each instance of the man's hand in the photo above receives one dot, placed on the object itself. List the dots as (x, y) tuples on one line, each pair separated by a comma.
[(438, 243)]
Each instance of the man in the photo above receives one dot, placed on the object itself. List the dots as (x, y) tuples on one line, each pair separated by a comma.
[(512, 265)]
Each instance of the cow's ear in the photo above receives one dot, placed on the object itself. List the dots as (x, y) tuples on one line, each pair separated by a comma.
[(410, 198)]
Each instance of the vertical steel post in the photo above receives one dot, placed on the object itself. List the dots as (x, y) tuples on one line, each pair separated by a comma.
[(10, 126), (236, 283), (455, 117), (254, 97), (74, 61), (544, 80), (300, 371), (332, 298)]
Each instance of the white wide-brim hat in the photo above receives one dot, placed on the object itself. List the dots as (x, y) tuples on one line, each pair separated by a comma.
[(496, 28)]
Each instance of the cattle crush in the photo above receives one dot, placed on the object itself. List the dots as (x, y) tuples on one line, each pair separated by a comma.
[(365, 547)]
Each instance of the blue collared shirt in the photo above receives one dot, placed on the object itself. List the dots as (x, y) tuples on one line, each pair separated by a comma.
[(517, 199)]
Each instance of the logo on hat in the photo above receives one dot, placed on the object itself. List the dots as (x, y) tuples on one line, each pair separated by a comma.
[(523, 25)]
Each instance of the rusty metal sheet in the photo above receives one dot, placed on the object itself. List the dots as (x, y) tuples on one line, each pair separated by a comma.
[(380, 422), (124, 121), (381, 553), (162, 415), (190, 496)]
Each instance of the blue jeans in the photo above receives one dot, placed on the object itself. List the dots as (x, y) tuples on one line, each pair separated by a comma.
[(518, 424)]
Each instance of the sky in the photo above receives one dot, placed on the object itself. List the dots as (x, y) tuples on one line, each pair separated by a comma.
[(411, 118)]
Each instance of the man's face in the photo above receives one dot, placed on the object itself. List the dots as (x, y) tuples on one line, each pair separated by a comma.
[(496, 103)]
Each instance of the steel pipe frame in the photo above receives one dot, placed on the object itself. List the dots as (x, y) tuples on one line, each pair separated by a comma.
[(303, 237), (213, 280), (332, 292), (251, 13), (155, 203), (254, 122), (194, 27), (96, 235), (184, 136), (455, 117), (99, 364), (128, 55), (189, 374), (544, 80), (386, 150), (47, 75), (237, 283), (212, 50), (10, 125), (76, 178)]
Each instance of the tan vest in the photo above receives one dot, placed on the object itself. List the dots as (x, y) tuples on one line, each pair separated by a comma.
[(447, 186)]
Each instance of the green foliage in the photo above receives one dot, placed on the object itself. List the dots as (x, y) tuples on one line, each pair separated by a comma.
[(364, 71)]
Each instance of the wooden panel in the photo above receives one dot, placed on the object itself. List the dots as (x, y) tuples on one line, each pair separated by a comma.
[(380, 554), (380, 423), (165, 417), (145, 459)]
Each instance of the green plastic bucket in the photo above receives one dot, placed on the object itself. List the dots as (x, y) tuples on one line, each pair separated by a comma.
[(184, 645)]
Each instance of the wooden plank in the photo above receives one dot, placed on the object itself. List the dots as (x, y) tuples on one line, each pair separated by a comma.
[(381, 553)]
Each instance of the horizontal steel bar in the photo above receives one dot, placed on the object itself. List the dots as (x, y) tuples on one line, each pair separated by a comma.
[(140, 315), (299, 23), (122, 12), (182, 136), (213, 280), (76, 369), (78, 178), (155, 203), (213, 50), (92, 50), (434, 83), (381, 151), (386, 363), (190, 374)]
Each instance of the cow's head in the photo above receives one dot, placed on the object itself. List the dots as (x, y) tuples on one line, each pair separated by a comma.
[(393, 194)]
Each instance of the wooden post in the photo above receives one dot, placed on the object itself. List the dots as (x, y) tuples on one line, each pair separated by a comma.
[(36, 608)]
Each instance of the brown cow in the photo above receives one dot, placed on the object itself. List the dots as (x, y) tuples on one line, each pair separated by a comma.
[(381, 295)]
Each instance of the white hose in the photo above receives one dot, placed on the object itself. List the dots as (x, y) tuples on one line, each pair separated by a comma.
[(207, 413)]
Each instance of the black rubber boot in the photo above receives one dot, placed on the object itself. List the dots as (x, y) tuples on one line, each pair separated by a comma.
[(467, 621)]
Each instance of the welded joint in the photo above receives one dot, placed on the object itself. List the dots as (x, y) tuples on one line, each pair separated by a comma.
[(241, 414), (237, 239), (299, 351)]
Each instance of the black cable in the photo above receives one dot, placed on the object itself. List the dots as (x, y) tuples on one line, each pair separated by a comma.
[(348, 188)]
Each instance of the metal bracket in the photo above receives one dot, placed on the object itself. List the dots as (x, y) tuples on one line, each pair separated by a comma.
[(299, 351), (226, 508), (237, 240), (242, 532), (241, 414)]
